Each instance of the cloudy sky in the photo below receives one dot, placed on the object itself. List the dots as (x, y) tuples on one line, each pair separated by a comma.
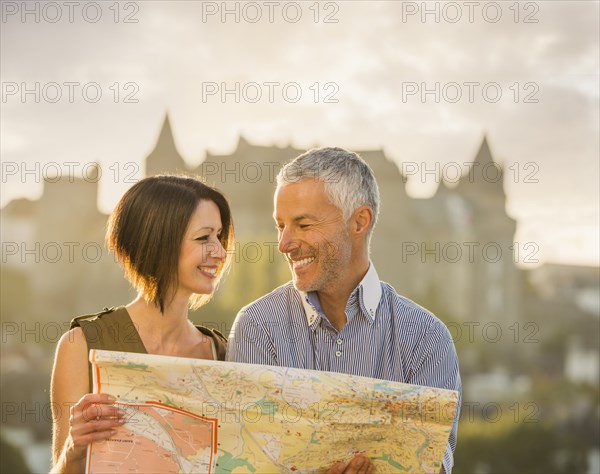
[(423, 81)]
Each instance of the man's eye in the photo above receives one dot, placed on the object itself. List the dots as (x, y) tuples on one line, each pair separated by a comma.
[(304, 226)]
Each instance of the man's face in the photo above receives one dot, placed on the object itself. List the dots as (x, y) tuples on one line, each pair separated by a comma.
[(312, 235)]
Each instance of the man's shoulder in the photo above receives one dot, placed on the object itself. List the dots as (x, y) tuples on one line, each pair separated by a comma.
[(279, 298), (406, 311), (403, 303)]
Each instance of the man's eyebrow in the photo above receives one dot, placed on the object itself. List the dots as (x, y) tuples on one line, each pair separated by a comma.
[(300, 217), (305, 216)]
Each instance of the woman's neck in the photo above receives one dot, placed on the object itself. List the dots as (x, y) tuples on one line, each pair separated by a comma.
[(160, 332)]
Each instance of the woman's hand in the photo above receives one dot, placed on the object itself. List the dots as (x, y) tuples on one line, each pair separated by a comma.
[(92, 418)]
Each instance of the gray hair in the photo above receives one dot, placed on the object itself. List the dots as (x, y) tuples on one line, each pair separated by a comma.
[(349, 181)]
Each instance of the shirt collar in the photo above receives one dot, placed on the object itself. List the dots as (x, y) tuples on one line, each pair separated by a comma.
[(369, 290)]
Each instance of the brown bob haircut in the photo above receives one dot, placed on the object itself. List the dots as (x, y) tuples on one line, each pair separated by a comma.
[(147, 227)]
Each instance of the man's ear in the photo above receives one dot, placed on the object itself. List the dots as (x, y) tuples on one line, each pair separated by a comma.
[(362, 219)]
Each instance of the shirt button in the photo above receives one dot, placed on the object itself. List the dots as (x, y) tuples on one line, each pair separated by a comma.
[(339, 342), (338, 353)]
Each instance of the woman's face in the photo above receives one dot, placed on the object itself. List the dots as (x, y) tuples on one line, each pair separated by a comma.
[(201, 253)]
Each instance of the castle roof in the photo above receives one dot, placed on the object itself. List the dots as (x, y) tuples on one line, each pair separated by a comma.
[(21, 207), (165, 157), (484, 178)]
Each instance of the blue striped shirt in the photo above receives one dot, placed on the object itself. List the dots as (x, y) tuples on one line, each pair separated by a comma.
[(386, 336)]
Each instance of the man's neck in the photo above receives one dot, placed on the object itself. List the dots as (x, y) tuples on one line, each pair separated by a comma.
[(333, 301)]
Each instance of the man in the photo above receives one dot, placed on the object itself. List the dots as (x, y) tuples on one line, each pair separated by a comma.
[(337, 315)]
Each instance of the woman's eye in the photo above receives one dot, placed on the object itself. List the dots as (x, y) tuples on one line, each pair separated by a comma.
[(304, 226), (204, 237)]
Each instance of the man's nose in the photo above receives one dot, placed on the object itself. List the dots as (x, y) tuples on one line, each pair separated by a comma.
[(287, 241)]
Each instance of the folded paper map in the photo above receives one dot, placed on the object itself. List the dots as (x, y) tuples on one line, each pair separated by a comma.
[(203, 416)]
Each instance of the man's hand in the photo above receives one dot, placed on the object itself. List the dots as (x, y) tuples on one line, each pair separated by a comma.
[(358, 465)]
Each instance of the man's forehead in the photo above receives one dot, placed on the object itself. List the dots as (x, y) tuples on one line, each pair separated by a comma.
[(305, 191), (305, 199), (305, 188)]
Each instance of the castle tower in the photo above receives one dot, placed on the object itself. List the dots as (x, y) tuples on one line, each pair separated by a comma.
[(165, 157), (483, 185), (494, 280)]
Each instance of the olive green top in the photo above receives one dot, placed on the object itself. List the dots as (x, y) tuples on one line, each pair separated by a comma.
[(113, 330)]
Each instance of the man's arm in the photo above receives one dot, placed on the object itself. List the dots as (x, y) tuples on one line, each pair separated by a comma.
[(250, 342), (436, 365)]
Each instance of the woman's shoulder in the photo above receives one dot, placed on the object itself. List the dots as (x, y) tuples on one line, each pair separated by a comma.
[(211, 332), (110, 329), (106, 315), (219, 339)]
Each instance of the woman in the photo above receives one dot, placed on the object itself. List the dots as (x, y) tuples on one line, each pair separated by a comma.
[(172, 235)]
